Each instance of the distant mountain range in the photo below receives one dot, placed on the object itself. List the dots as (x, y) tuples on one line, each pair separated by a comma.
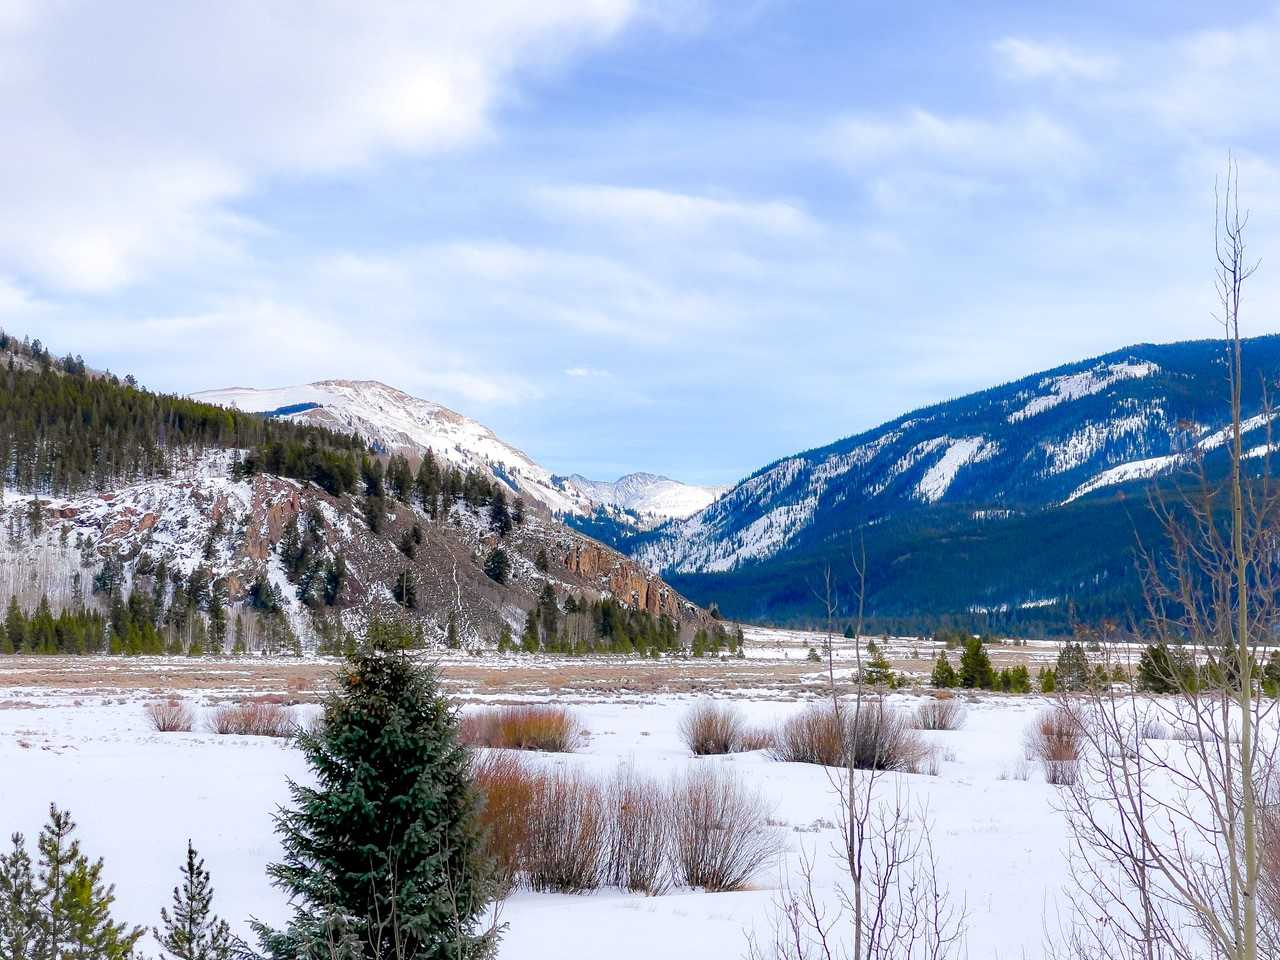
[(396, 422), (1007, 505)]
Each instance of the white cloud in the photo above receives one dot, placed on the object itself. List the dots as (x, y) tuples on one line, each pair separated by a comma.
[(586, 372), (133, 126), (1021, 143), (1032, 60), (632, 207)]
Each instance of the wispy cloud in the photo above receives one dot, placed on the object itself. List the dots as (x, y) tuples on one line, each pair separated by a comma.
[(1031, 59), (631, 207)]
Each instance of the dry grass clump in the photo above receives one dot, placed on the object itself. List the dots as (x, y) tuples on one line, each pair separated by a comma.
[(710, 728), (940, 714), (506, 785), (544, 727), (1055, 740), (170, 716), (872, 736), (722, 837), (253, 718), (640, 833), (567, 833)]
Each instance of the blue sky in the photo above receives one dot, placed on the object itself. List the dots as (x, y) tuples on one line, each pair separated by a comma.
[(680, 236)]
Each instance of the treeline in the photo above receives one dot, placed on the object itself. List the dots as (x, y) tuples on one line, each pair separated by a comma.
[(435, 488), (64, 430), (583, 627)]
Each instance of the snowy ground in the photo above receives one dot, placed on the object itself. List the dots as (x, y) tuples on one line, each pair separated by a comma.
[(139, 795)]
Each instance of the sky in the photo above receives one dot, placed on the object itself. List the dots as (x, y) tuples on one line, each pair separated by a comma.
[(681, 236)]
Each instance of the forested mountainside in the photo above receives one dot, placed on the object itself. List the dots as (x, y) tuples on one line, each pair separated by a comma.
[(1007, 507), (191, 526)]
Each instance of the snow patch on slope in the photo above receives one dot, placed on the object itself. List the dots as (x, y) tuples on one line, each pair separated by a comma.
[(1073, 386), (959, 453)]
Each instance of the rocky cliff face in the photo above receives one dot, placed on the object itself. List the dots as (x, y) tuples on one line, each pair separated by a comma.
[(625, 580), (233, 530)]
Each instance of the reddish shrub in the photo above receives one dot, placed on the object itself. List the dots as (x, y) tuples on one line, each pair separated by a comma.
[(253, 719), (722, 837), (545, 727), (711, 728), (170, 716)]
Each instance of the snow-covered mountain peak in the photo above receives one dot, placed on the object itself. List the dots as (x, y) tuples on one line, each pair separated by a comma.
[(647, 495), (398, 422)]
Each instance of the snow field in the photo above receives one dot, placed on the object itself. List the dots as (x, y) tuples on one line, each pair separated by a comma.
[(138, 795)]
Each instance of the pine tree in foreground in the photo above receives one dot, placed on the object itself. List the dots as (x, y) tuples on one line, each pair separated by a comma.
[(193, 931), (62, 910), (381, 857), (19, 903)]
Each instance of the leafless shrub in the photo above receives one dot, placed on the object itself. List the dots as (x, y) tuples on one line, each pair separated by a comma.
[(1054, 740), (545, 727), (709, 728), (506, 786), (253, 718), (170, 716), (868, 736), (639, 833), (1153, 729), (722, 838), (810, 736), (880, 738), (939, 715), (756, 738), (567, 833)]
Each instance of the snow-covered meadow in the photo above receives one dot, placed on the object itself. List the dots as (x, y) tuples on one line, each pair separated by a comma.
[(138, 795)]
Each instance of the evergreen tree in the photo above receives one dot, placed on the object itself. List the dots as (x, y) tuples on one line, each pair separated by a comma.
[(878, 671), (381, 857), (541, 561), (20, 908), (499, 514), (193, 931), (451, 631), (944, 675), (497, 566), (975, 666), (76, 919), (1160, 671), (1072, 672)]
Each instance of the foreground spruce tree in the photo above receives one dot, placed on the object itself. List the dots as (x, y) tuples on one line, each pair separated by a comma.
[(381, 856), (193, 931)]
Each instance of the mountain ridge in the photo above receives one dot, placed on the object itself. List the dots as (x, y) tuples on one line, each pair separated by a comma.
[(1045, 442), (398, 422)]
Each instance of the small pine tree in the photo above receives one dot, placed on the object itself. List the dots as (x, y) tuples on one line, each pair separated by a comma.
[(541, 561), (944, 675), (193, 931), (76, 922), (498, 566), (20, 908), (451, 632), (975, 666), (381, 857), (878, 670), (1072, 672)]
